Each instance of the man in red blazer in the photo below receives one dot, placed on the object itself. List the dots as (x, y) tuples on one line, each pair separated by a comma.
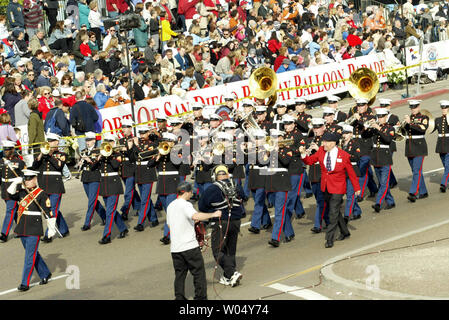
[(335, 167)]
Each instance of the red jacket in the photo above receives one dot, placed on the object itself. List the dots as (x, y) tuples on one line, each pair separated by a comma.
[(187, 8), (45, 105), (335, 181)]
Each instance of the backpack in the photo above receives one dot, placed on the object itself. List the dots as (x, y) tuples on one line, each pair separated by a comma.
[(51, 126)]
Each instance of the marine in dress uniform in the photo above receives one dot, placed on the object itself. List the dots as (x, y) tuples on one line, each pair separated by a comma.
[(258, 160), (332, 102), (331, 125), (198, 118), (225, 196), (8, 163), (349, 145), (145, 174), (91, 181), (364, 113), (442, 147), (416, 149), (202, 162), (167, 180), (392, 120), (50, 168), (277, 182), (32, 200), (382, 158), (276, 122), (110, 189), (127, 171), (313, 144)]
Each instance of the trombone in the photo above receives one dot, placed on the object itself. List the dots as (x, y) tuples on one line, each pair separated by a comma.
[(270, 144), (163, 148), (106, 149)]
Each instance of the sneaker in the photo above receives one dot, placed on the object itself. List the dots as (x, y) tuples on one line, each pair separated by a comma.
[(235, 279), (224, 281)]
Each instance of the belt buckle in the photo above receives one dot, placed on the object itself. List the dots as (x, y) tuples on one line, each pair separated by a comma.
[(106, 174)]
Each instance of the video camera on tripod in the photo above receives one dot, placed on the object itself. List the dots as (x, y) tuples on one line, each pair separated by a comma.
[(125, 22)]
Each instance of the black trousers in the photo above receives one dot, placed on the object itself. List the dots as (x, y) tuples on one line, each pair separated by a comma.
[(224, 249), (190, 260), (334, 202), (52, 15), (64, 44)]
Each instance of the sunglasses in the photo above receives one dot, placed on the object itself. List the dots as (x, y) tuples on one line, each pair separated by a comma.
[(46, 93), (31, 74)]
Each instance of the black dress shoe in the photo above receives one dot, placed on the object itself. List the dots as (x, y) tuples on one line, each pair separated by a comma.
[(355, 217), (299, 216), (376, 207), (372, 195), (105, 240), (288, 239), (139, 228), (159, 207), (342, 237), (136, 214), (393, 185), (47, 239), (23, 288), (359, 199), (254, 230), (45, 280), (315, 230), (274, 243), (267, 226), (423, 196), (442, 188), (85, 228), (390, 206), (125, 216), (154, 223), (411, 197), (123, 234), (329, 244), (309, 195), (64, 235), (103, 222), (325, 227), (3, 237), (346, 219), (270, 205), (165, 240)]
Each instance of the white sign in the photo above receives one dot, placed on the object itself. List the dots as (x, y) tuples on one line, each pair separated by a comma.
[(435, 55)]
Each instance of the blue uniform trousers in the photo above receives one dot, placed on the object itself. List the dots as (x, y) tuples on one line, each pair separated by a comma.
[(352, 206), (246, 189), (131, 196), (112, 216), (322, 211), (367, 178), (55, 201), (146, 204), (383, 176), (92, 189), (307, 186), (282, 222), (393, 180), (32, 260), (260, 216), (445, 160), (294, 195), (166, 199), (418, 186), (10, 216)]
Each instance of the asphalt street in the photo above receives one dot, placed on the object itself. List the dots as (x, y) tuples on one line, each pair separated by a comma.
[(140, 267)]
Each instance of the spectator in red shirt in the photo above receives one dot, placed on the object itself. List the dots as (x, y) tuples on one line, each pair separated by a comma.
[(46, 101), (115, 7)]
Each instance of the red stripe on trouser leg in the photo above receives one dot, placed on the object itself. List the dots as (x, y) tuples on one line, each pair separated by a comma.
[(34, 261), (95, 204), (352, 204), (283, 214), (12, 217), (322, 215), (112, 218), (364, 183), (300, 184), (386, 187), (445, 184), (146, 206), (419, 177), (130, 201)]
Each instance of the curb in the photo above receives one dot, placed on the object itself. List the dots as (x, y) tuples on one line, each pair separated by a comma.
[(420, 97)]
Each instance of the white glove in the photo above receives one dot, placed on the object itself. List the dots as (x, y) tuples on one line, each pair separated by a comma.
[(51, 225), (12, 189)]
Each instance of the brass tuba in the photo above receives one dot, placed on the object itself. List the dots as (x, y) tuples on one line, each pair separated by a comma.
[(45, 148), (364, 83), (106, 149), (431, 127), (263, 84)]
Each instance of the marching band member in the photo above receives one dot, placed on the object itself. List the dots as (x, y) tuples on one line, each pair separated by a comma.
[(108, 163), (332, 102), (127, 170), (302, 118), (8, 163), (91, 181), (382, 158), (145, 176), (177, 128), (416, 125), (258, 160), (261, 117), (198, 119), (335, 166), (364, 113), (202, 162), (50, 165), (225, 196), (350, 145), (277, 182), (229, 101), (329, 117), (392, 120), (295, 168), (32, 201), (214, 121), (281, 109), (442, 147), (167, 180), (161, 120)]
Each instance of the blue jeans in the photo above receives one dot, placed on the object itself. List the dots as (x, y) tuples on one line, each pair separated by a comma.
[(92, 189), (32, 260), (10, 216)]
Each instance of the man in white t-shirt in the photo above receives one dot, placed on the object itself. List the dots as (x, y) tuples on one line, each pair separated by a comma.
[(184, 248)]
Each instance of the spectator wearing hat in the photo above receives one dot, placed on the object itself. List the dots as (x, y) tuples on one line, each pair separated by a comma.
[(36, 133), (287, 65), (43, 80)]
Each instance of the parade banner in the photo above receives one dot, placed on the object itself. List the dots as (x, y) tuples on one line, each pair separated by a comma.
[(310, 79), (434, 55)]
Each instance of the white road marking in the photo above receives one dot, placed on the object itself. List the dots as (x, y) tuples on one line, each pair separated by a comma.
[(34, 284), (299, 292)]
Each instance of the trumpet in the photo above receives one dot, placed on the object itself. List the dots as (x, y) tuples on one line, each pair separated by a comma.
[(370, 124), (270, 145), (45, 148)]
